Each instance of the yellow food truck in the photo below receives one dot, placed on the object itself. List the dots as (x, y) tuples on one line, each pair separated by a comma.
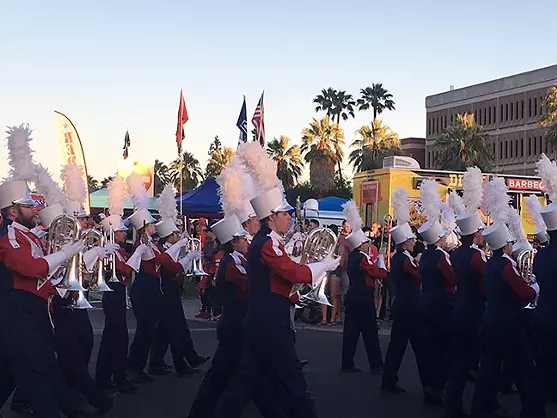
[(372, 191)]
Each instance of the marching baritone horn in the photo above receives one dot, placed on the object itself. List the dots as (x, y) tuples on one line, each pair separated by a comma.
[(112, 259), (64, 230), (525, 262), (194, 244), (99, 285)]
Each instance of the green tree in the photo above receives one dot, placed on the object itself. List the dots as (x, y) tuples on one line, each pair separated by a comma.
[(219, 159), (376, 97), (322, 145), (288, 158), (549, 119), (374, 142), (215, 145), (92, 182), (189, 169), (106, 180), (162, 176), (463, 144)]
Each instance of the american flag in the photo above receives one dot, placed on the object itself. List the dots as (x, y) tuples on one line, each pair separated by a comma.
[(182, 119), (127, 144), (242, 124), (258, 121)]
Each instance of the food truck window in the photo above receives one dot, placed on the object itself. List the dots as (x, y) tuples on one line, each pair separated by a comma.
[(368, 219), (514, 200)]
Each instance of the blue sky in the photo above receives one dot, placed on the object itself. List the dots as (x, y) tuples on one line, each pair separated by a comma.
[(121, 64)]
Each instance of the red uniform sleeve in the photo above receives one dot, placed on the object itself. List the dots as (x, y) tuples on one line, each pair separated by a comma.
[(234, 275), (123, 269), (448, 273), (372, 270), (373, 252), (412, 270), (517, 283), (283, 266), (167, 263), (20, 260), (478, 265)]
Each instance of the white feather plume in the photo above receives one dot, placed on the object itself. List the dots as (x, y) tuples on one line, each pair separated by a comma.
[(166, 203), (431, 200), (515, 225), (534, 207), (137, 192), (74, 186), (20, 154), (46, 186), (456, 203), (472, 184), (401, 205), (547, 170), (258, 162), (116, 193), (231, 188), (352, 215), (448, 221), (497, 200)]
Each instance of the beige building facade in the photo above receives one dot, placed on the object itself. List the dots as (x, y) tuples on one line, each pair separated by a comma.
[(509, 109)]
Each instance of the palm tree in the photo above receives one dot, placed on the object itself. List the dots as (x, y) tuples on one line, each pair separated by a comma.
[(322, 145), (375, 142), (219, 158), (336, 104), (549, 120), (288, 158), (377, 98), (189, 169), (162, 176), (92, 182), (463, 144), (106, 180)]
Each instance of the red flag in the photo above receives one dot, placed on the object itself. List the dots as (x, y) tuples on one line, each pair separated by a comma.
[(182, 119), (258, 121)]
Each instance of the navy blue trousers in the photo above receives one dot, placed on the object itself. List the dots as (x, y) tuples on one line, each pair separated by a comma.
[(437, 334), (113, 351)]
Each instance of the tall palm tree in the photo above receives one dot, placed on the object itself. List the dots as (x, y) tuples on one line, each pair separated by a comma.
[(162, 176), (549, 119), (219, 158), (190, 172), (463, 144), (336, 104), (92, 182), (106, 180), (322, 145), (374, 142), (288, 158), (377, 98)]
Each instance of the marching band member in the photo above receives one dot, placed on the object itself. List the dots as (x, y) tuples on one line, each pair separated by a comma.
[(469, 264), (406, 306), (249, 220), (26, 352), (360, 316), (503, 331), (437, 297), (113, 350), (269, 347), (545, 315), (172, 329)]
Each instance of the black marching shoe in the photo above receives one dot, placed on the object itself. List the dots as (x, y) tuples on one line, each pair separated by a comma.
[(167, 366), (187, 371), (21, 408), (140, 377), (304, 363), (394, 389), (352, 369), (125, 386), (434, 397), (158, 371), (199, 361), (107, 404)]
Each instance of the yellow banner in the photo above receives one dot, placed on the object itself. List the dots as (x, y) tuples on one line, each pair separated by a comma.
[(72, 150)]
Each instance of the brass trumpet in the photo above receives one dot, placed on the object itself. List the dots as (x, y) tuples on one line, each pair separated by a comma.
[(112, 261)]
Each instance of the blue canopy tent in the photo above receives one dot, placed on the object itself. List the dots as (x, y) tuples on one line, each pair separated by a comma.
[(202, 201), (331, 203)]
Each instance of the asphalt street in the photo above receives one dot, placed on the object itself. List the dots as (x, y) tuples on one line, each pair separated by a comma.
[(338, 395)]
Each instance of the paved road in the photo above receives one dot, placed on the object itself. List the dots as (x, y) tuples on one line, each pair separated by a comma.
[(338, 395)]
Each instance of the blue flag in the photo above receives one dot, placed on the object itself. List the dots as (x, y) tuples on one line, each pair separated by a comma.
[(242, 124)]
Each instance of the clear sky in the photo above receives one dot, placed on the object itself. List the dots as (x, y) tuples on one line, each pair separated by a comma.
[(112, 65)]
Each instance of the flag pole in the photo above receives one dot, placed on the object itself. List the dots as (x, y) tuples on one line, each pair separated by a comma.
[(181, 186)]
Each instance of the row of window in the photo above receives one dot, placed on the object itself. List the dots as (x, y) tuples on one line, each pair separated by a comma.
[(511, 148), (488, 115)]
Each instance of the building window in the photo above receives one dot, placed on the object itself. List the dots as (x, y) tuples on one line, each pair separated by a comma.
[(445, 122), (501, 113), (512, 111), (540, 139), (535, 106), (501, 150), (452, 120), (489, 115), (522, 147), (516, 147), (516, 110), (529, 146), (529, 108), (535, 145), (437, 130), (506, 149), (506, 112)]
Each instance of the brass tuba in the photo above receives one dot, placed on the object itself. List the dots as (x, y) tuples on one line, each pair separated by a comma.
[(525, 262), (319, 243), (65, 229)]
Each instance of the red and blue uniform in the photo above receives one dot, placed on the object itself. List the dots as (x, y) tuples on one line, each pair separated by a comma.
[(360, 313), (111, 361), (504, 339)]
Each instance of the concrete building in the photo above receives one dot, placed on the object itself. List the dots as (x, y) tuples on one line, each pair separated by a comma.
[(415, 148), (508, 108)]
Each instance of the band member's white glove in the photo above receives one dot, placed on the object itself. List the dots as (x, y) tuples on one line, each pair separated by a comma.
[(536, 288), (174, 250), (56, 259), (71, 249), (319, 269), (110, 248), (380, 262), (187, 261), (135, 260)]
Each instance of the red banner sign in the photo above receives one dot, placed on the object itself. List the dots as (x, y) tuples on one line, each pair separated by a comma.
[(370, 192), (525, 184)]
